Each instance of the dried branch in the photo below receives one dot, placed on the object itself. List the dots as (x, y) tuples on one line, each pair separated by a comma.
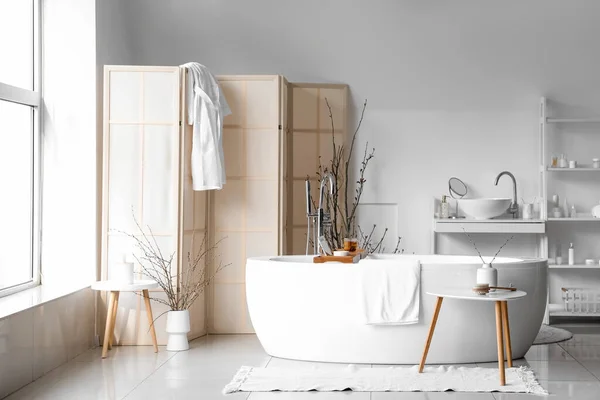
[(501, 247), (397, 248), (181, 288), (348, 160), (344, 210), (473, 243), (478, 252)]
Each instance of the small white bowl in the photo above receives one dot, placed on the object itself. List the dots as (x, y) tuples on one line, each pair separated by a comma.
[(590, 261), (341, 253)]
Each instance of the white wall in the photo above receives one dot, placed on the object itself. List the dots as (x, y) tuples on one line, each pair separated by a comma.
[(35, 341), (111, 49), (69, 143), (39, 339), (453, 87)]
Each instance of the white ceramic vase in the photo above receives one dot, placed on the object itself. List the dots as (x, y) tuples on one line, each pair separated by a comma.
[(178, 325), (487, 274)]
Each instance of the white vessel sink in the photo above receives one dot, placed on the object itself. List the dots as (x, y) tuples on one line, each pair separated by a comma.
[(484, 208)]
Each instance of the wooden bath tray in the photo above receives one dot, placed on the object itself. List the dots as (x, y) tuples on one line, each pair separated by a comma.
[(350, 259)]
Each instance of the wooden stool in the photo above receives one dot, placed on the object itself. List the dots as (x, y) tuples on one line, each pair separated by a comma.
[(114, 289), (500, 298)]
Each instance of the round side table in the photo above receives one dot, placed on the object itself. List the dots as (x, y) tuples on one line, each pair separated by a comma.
[(500, 297), (115, 288)]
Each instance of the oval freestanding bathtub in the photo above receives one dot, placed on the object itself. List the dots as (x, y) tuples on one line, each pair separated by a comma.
[(312, 312)]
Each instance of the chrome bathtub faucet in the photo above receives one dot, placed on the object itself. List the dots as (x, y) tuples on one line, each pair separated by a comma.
[(514, 206)]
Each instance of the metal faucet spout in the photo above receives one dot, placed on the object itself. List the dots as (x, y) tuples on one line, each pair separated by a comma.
[(328, 177), (514, 206), (324, 218)]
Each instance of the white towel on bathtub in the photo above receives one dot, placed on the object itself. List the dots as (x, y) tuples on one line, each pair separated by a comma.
[(390, 291)]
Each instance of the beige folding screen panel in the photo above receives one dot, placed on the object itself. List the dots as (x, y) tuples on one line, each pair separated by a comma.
[(272, 140), (310, 142), (145, 179), (248, 212)]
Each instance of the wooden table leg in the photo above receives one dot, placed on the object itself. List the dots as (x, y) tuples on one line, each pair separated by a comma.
[(150, 319), (436, 313), (506, 329), (115, 308), (108, 328), (500, 344)]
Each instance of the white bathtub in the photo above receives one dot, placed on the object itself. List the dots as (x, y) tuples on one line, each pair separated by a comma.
[(307, 311)]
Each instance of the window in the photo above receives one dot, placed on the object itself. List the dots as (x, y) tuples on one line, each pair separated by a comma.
[(19, 144)]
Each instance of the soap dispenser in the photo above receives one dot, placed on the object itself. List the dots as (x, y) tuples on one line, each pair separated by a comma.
[(571, 254), (445, 207)]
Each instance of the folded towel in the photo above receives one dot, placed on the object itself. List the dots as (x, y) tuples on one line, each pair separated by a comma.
[(390, 291)]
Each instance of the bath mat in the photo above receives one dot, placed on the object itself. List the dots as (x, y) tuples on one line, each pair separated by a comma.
[(549, 334), (390, 379)]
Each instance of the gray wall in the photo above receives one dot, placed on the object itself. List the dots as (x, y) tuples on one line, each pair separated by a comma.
[(453, 86)]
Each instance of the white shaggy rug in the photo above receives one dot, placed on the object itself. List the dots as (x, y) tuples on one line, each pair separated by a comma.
[(550, 334), (391, 379)]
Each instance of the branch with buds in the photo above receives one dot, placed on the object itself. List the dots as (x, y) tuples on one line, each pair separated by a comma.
[(182, 288), (345, 200)]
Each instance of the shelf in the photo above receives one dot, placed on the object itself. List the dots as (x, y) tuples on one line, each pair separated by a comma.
[(579, 219), (489, 225), (575, 120), (576, 266), (578, 169), (573, 314)]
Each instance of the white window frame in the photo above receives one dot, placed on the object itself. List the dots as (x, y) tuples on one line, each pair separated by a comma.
[(32, 98)]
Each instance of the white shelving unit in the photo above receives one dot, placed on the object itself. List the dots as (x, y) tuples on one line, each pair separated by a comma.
[(578, 169), (489, 226), (576, 266), (576, 219), (570, 120), (574, 314), (547, 173)]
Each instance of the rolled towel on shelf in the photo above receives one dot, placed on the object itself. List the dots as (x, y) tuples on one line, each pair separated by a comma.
[(390, 291)]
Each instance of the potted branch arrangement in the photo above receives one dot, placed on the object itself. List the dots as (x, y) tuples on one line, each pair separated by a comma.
[(181, 288), (345, 200), (487, 274)]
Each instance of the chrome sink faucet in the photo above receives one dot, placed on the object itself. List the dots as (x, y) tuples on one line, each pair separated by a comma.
[(324, 218), (514, 205)]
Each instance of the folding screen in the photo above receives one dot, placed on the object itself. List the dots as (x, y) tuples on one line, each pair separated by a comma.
[(248, 212), (310, 143)]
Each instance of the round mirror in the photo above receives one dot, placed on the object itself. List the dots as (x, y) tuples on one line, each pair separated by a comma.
[(457, 188)]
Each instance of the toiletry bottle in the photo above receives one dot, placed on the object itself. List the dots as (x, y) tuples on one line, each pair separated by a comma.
[(562, 161), (573, 212), (558, 255), (444, 208), (571, 254)]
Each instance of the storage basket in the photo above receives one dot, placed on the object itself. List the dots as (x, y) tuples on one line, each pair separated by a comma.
[(581, 300)]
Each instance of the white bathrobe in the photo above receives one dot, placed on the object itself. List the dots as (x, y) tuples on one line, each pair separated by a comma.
[(206, 106)]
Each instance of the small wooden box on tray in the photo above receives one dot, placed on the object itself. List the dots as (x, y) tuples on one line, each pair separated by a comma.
[(354, 257)]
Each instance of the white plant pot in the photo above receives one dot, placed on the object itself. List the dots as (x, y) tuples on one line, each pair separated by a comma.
[(178, 325), (487, 274)]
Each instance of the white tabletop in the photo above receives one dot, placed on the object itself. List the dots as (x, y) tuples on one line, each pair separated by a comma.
[(468, 294), (116, 286)]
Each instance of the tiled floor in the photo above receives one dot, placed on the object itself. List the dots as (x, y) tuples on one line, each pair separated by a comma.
[(569, 370)]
